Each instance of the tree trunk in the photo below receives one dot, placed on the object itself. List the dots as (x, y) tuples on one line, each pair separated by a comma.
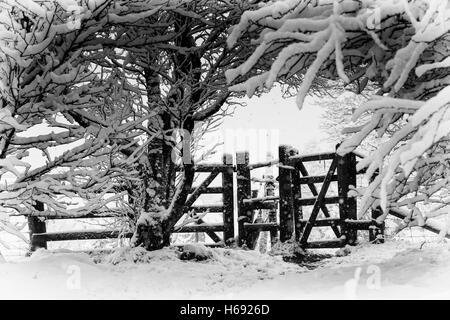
[(152, 237), (187, 66), (155, 234)]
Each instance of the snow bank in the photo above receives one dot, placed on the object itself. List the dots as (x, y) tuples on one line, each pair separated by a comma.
[(137, 274), (394, 270)]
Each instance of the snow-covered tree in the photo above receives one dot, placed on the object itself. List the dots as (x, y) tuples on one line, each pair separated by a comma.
[(400, 45), (338, 108), (184, 77), (115, 84), (56, 100)]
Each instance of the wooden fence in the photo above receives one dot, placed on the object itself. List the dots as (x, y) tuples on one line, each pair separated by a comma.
[(39, 236), (287, 221), (292, 225)]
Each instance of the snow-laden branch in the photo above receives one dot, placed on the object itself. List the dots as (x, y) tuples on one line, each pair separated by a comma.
[(401, 46)]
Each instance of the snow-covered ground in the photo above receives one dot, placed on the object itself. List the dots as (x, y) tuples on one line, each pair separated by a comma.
[(396, 269)]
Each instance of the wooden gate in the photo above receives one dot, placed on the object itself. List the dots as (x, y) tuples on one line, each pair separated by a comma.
[(286, 221), (291, 224), (39, 236)]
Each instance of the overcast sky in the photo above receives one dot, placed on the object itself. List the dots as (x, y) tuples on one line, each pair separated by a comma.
[(268, 121)]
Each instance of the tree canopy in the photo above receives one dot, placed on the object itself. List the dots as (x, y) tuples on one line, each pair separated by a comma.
[(111, 84), (115, 86), (400, 46)]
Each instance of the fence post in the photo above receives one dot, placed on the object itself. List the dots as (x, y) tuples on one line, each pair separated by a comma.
[(286, 195), (272, 215), (243, 192), (376, 234), (297, 194), (228, 200), (36, 225), (346, 172)]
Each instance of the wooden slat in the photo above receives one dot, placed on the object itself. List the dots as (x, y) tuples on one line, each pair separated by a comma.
[(214, 237), (209, 190), (354, 224), (346, 171), (86, 216), (314, 179), (311, 201), (327, 222), (209, 245), (204, 227), (286, 195), (245, 212), (361, 224), (319, 201), (112, 234), (199, 190), (262, 199), (37, 225), (228, 200), (203, 208), (80, 235), (210, 167), (268, 226), (298, 209), (324, 244), (262, 164), (312, 157)]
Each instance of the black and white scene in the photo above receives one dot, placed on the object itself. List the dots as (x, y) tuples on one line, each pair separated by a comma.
[(224, 150)]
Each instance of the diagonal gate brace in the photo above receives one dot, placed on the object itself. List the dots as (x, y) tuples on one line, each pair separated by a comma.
[(301, 167), (196, 194), (318, 203)]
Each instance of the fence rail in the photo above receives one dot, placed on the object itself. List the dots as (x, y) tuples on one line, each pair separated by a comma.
[(285, 218), (39, 236)]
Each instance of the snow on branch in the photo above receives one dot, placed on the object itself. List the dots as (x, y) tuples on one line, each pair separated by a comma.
[(54, 96), (401, 46), (306, 37)]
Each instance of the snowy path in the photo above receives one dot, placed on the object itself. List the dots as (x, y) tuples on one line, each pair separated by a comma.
[(393, 270)]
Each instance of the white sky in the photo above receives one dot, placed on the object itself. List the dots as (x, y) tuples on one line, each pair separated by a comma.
[(270, 115)]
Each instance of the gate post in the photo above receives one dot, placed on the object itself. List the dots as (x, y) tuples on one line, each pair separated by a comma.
[(286, 195), (36, 225), (228, 201), (346, 172), (243, 192), (297, 194), (272, 215), (376, 234)]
